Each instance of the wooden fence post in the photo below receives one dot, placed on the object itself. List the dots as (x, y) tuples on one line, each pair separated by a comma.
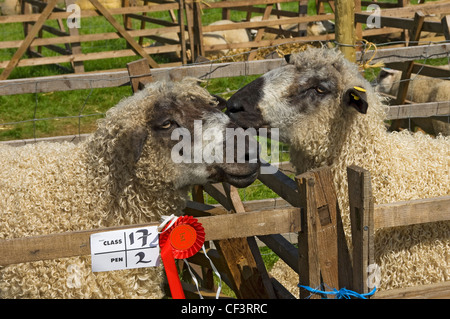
[(362, 224), (308, 254), (78, 66), (334, 257), (140, 74), (345, 28), (419, 18), (323, 251)]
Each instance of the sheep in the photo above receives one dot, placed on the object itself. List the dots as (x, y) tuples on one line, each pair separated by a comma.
[(231, 36), (124, 173), (10, 7), (330, 115), (421, 89)]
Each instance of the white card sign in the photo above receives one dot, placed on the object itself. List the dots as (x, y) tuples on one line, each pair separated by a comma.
[(125, 249)]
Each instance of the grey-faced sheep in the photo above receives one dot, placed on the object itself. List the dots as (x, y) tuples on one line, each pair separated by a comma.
[(421, 89), (330, 115), (124, 173)]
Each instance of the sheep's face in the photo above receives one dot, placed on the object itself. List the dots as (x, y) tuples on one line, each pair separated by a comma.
[(312, 85), (388, 81), (186, 133)]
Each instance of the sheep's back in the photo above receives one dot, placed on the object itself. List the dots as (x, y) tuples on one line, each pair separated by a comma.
[(44, 189)]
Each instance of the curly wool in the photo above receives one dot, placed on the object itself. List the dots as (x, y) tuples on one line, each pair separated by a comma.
[(403, 166), (49, 188)]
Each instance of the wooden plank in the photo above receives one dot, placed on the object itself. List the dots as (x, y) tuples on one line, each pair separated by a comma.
[(422, 69), (57, 139), (326, 223), (238, 257), (189, 9), (140, 74), (91, 56), (307, 238), (89, 13), (181, 17), (409, 53), (282, 248), (404, 23), (28, 39), (412, 212), (418, 110), (153, 20), (260, 274), (362, 225), (71, 244), (74, 38), (282, 185), (239, 3), (230, 69), (134, 45), (78, 66), (198, 209), (198, 30), (446, 27), (54, 31), (432, 291), (419, 19)]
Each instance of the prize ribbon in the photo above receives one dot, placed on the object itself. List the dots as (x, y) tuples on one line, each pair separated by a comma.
[(181, 239)]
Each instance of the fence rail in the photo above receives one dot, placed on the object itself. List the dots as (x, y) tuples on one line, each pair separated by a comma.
[(189, 21)]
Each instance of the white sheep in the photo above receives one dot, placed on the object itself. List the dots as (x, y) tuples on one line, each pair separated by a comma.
[(122, 174), (233, 35), (330, 115), (421, 89), (10, 7)]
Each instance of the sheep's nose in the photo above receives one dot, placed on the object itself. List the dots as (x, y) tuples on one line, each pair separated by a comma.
[(234, 106)]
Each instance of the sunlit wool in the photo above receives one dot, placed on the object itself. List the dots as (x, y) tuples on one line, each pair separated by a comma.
[(403, 166), (50, 188)]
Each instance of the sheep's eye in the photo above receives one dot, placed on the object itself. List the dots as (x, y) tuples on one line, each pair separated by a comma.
[(166, 125), (320, 89)]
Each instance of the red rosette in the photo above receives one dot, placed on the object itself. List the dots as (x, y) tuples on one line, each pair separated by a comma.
[(181, 240), (186, 237)]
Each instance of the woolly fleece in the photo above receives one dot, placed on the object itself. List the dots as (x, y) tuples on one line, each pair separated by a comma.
[(49, 188), (403, 166)]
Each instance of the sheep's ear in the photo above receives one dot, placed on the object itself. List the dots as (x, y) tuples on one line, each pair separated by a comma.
[(356, 97), (287, 57), (137, 142), (222, 102)]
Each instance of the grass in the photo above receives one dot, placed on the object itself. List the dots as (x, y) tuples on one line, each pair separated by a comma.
[(57, 105)]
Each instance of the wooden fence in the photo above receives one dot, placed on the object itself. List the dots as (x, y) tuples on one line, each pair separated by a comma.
[(310, 209), (185, 18), (322, 255)]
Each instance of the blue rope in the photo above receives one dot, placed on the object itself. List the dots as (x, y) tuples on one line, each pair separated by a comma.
[(342, 293)]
